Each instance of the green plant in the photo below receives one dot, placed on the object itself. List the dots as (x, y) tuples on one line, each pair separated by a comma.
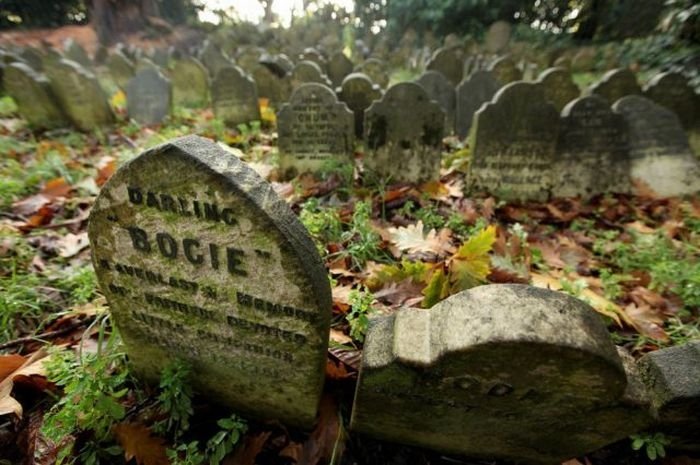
[(19, 299), (611, 283), (80, 284), (218, 446), (323, 224), (653, 443), (363, 241), (430, 216), (175, 399), (186, 454), (574, 288), (358, 316)]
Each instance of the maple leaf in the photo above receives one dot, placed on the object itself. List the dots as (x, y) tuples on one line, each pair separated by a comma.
[(412, 239), (437, 289), (139, 444), (416, 271), (470, 265)]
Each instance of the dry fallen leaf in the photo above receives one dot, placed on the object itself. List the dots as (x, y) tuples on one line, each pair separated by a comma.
[(33, 366), (71, 244), (412, 239), (140, 444), (647, 321), (326, 440), (245, 453), (9, 364)]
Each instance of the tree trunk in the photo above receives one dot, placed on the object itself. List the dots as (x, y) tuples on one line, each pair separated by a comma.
[(113, 19)]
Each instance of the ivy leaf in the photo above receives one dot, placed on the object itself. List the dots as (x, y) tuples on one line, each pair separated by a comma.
[(470, 265)]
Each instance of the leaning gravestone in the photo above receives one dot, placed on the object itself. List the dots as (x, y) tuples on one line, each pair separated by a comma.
[(32, 93), (513, 144), (616, 84), (505, 70), (358, 92), (592, 153), (403, 133), (449, 62), (660, 155), (376, 70), (315, 131), (201, 261), (497, 37), (307, 71), (80, 95), (120, 68), (190, 83), (339, 66), (500, 371), (559, 88), (473, 92), (440, 89), (149, 97), (234, 97)]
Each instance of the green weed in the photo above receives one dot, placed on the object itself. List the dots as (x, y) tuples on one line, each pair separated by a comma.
[(653, 444), (358, 316), (175, 399), (363, 241)]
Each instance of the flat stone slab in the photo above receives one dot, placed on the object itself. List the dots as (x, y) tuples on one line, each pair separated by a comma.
[(200, 260)]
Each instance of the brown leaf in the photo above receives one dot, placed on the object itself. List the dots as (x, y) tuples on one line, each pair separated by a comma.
[(340, 337), (139, 444), (412, 240), (105, 169), (9, 364), (56, 188), (397, 294), (71, 244), (32, 366), (328, 436), (646, 321), (350, 357), (337, 371), (245, 454), (292, 451), (341, 297), (564, 210)]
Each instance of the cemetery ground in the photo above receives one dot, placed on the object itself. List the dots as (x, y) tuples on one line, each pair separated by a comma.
[(66, 393)]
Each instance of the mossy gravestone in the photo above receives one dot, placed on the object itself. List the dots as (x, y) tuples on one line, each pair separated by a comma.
[(358, 92), (559, 88), (190, 83), (308, 71), (440, 89), (234, 97), (148, 96), (478, 88), (200, 260), (500, 371), (615, 84), (120, 68), (513, 144), (449, 62), (403, 132), (35, 101)]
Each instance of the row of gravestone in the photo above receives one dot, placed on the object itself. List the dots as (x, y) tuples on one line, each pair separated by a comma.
[(200, 260)]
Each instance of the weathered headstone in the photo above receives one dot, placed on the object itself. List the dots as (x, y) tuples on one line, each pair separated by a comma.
[(33, 58), (149, 97), (505, 70), (449, 62), (559, 88), (307, 71), (279, 64), (403, 133), (660, 155), (80, 95), (213, 59), (616, 84), (339, 66), (358, 92), (32, 93), (473, 92), (316, 131), (160, 57), (271, 86), (500, 371), (247, 58), (120, 68), (201, 261), (592, 153), (584, 60), (313, 55), (75, 52), (376, 70), (497, 37), (190, 83), (440, 89), (513, 144), (234, 97)]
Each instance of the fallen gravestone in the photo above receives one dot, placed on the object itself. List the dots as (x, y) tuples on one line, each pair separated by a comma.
[(149, 97), (339, 66), (615, 84), (559, 88), (449, 62), (316, 131), (440, 89), (306, 72), (32, 93), (403, 133), (376, 70), (358, 92), (500, 371), (201, 261), (478, 88), (505, 71), (497, 37), (80, 95), (190, 83), (592, 152), (234, 97), (660, 155), (120, 68), (513, 144)]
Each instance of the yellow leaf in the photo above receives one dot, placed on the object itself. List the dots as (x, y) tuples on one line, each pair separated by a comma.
[(118, 100), (471, 264), (436, 290)]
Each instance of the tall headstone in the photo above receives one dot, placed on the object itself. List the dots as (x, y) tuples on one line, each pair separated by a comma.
[(190, 83), (615, 84), (449, 62), (75, 52), (33, 58), (120, 68), (440, 89), (592, 152), (497, 37), (376, 70), (403, 134), (505, 70), (473, 92), (339, 66), (80, 95), (501, 371), (316, 131), (306, 72), (32, 93), (313, 55), (271, 86), (234, 97), (513, 144), (213, 58), (660, 155), (201, 261), (559, 88), (149, 97), (358, 92)]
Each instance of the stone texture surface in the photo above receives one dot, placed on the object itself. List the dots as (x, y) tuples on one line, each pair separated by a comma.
[(190, 83), (559, 88), (403, 133), (149, 97), (376, 70), (497, 37), (200, 260), (592, 152), (505, 70), (472, 93), (358, 92), (316, 131), (120, 68), (615, 84), (499, 371), (440, 89), (660, 155), (235, 97), (449, 62), (339, 66), (32, 93), (214, 59), (308, 71), (513, 144)]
